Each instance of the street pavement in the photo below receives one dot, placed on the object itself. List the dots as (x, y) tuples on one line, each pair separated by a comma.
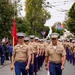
[(69, 70)]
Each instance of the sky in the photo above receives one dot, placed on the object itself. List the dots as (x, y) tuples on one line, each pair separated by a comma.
[(57, 11)]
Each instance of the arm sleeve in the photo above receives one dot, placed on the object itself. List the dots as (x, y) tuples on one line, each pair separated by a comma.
[(63, 52), (29, 51), (46, 52), (74, 50)]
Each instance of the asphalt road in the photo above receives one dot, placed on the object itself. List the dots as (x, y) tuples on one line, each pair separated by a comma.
[(69, 70)]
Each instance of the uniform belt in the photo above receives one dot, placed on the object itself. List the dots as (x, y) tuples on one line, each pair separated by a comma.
[(35, 53), (55, 62), (21, 61)]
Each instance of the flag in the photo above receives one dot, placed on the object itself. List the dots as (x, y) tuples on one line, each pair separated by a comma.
[(58, 27), (43, 33), (14, 32), (62, 26)]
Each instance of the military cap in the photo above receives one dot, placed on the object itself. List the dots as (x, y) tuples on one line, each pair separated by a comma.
[(26, 39), (54, 35), (21, 34), (40, 40), (73, 40), (68, 40), (32, 36), (36, 38)]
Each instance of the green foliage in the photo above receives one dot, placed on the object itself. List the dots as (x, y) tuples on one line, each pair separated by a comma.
[(33, 23), (36, 16), (22, 25), (6, 15), (60, 31), (54, 30), (70, 36), (72, 11), (70, 23)]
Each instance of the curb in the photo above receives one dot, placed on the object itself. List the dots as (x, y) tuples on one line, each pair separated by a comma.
[(6, 63)]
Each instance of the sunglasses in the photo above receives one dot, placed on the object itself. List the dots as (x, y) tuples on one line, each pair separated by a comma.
[(53, 38), (20, 37), (26, 40)]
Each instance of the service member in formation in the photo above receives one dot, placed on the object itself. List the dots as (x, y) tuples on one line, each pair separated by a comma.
[(36, 52), (21, 53), (37, 41), (31, 67), (41, 52), (55, 56), (74, 54), (71, 52)]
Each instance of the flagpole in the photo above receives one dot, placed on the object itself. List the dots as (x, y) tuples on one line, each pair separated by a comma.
[(12, 58), (13, 35)]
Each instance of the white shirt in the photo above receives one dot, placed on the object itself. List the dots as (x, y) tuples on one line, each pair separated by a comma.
[(54, 47)]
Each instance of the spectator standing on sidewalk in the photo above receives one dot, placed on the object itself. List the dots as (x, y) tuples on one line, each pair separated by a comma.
[(10, 51), (2, 53), (5, 45)]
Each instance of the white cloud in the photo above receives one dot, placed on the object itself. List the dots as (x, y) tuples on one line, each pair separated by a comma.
[(22, 3), (56, 15)]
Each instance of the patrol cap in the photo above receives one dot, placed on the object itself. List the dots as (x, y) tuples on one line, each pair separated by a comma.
[(32, 36), (20, 34), (54, 35), (73, 41), (40, 40), (36, 38), (68, 40), (26, 39)]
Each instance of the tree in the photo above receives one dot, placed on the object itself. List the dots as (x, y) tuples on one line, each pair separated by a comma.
[(22, 25), (55, 28), (72, 12), (70, 23), (36, 16), (6, 16), (60, 32)]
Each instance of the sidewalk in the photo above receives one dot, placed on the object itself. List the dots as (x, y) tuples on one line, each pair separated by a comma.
[(7, 62)]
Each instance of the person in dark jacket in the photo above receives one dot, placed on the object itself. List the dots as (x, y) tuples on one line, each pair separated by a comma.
[(10, 51), (2, 53), (5, 45)]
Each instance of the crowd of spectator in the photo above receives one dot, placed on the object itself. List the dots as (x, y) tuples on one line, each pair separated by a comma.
[(6, 50)]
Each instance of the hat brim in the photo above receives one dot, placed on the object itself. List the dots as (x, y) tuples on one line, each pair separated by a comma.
[(54, 36)]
